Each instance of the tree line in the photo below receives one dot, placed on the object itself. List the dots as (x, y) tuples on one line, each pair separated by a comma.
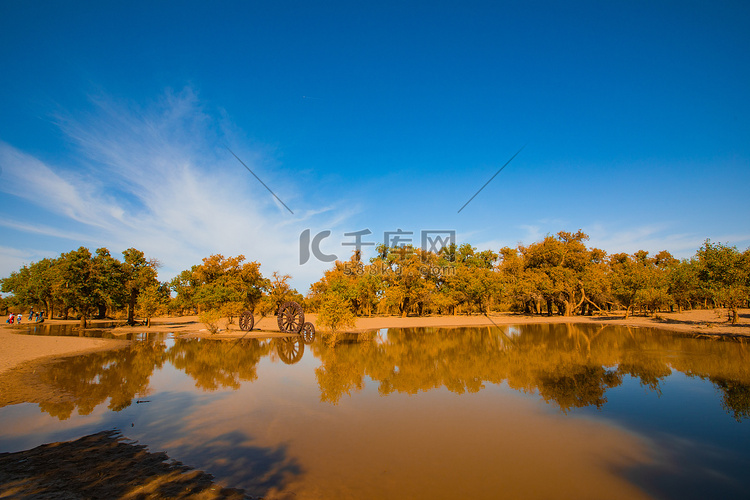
[(89, 284), (98, 285), (558, 275)]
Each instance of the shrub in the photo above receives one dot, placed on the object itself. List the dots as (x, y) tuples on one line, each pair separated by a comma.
[(232, 310), (210, 318), (335, 313)]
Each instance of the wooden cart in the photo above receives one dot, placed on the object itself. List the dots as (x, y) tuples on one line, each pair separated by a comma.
[(290, 318)]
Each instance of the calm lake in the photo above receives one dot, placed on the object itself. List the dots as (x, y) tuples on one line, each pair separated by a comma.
[(532, 411)]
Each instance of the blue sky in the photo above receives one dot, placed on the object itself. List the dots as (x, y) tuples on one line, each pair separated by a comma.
[(116, 120)]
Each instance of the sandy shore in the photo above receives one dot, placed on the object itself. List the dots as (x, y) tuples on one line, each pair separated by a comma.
[(705, 322), (19, 349)]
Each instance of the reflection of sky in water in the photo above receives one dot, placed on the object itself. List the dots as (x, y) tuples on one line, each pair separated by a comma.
[(537, 411), (513, 331), (100, 330)]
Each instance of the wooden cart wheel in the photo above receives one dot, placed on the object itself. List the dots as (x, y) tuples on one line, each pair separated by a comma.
[(290, 349), (308, 333), (247, 320), (291, 317)]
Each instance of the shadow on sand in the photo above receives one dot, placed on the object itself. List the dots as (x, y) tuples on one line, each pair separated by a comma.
[(103, 465)]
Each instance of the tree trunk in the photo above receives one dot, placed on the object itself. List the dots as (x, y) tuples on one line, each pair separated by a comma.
[(627, 312), (575, 308), (131, 306), (590, 303), (567, 309), (404, 308), (549, 307), (83, 321), (734, 316)]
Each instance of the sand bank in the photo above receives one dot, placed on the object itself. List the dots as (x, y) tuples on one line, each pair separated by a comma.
[(19, 348)]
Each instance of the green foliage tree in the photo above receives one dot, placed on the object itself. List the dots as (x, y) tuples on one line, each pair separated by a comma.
[(151, 300), (724, 274), (560, 263), (683, 284), (35, 285), (138, 273), (406, 284), (630, 277), (91, 284), (219, 280), (84, 285), (472, 284), (185, 286), (341, 280), (112, 276), (17, 284), (277, 292)]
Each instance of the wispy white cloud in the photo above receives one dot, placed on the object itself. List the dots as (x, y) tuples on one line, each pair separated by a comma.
[(159, 179), (45, 230), (12, 259), (532, 233), (54, 191)]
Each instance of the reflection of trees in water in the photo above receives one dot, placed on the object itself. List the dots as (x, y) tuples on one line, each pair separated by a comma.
[(87, 381), (578, 386), (735, 397), (217, 364), (570, 365)]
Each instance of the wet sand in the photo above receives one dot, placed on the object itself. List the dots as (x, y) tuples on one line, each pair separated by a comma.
[(18, 348)]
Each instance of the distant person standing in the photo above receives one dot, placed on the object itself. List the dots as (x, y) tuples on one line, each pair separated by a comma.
[(20, 317), (11, 318), (31, 313)]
